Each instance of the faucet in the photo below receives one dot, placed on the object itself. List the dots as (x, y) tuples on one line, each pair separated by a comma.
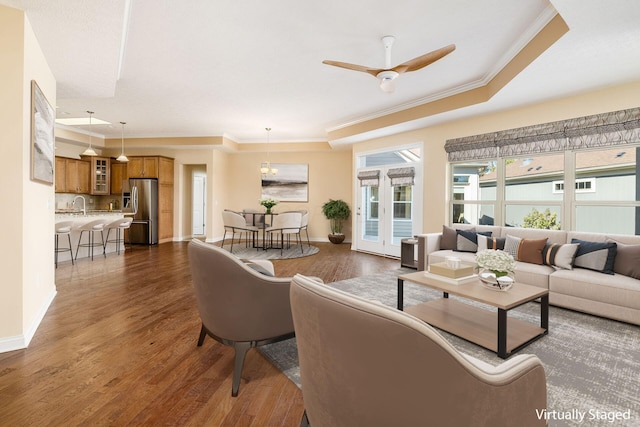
[(84, 204)]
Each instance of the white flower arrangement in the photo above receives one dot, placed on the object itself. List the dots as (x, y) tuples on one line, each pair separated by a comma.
[(499, 262), (268, 202)]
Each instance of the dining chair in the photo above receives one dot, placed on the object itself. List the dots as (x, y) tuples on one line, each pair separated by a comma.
[(237, 224), (286, 223)]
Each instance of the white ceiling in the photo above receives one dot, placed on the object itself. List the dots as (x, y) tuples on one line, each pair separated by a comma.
[(232, 68)]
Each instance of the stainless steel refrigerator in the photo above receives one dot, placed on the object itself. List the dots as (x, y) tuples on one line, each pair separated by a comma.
[(144, 207)]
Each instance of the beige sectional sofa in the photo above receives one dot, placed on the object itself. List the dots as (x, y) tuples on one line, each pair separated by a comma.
[(614, 296)]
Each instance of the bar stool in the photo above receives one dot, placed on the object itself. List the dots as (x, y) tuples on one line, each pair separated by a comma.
[(91, 228), (119, 226), (63, 228)]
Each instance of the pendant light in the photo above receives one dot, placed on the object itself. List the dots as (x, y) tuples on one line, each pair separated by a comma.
[(89, 151), (122, 157), (267, 169)]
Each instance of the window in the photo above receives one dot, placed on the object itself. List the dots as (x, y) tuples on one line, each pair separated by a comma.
[(533, 192), (584, 185), (595, 156), (474, 184)]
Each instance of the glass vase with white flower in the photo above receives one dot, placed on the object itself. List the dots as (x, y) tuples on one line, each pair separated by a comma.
[(496, 268), (268, 203)]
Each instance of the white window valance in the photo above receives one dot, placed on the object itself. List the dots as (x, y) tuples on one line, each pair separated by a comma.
[(599, 130), (369, 178), (401, 176)]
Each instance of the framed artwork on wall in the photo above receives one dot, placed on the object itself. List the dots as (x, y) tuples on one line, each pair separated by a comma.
[(290, 184), (42, 137)]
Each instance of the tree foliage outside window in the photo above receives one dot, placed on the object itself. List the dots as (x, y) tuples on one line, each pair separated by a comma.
[(543, 220)]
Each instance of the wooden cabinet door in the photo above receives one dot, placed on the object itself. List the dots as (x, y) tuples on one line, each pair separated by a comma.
[(72, 176), (165, 170), (150, 167), (165, 211), (61, 175), (135, 168), (118, 174), (100, 175), (84, 172)]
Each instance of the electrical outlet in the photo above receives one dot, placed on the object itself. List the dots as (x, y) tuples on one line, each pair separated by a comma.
[(91, 201)]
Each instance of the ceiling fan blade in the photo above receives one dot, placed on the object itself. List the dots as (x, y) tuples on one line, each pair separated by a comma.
[(424, 60), (373, 71)]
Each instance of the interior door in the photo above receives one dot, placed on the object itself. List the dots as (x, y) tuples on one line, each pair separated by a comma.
[(199, 194)]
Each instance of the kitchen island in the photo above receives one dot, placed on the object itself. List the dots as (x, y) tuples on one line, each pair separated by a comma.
[(79, 219)]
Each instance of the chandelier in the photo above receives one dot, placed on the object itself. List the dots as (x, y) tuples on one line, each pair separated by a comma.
[(266, 168)]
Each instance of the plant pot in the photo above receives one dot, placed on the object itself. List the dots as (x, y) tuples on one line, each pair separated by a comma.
[(336, 238)]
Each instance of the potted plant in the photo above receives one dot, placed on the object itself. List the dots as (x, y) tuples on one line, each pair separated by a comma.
[(336, 211)]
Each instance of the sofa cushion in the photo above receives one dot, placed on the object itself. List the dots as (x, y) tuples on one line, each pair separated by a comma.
[(627, 260), (486, 242), (533, 274), (467, 241), (560, 256), (530, 250), (615, 289), (598, 256)]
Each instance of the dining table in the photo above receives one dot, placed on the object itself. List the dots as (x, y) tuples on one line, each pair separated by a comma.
[(261, 223)]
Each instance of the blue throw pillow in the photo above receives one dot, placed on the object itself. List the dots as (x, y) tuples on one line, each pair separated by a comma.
[(597, 256)]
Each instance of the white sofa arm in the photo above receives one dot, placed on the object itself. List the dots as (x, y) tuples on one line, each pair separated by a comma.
[(427, 243)]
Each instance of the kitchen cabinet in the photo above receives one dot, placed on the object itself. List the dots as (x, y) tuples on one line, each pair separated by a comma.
[(100, 175), (118, 174), (77, 176), (143, 167), (165, 198), (61, 175)]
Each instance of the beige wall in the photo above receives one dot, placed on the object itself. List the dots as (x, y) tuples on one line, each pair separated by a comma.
[(329, 178), (435, 211), (27, 287)]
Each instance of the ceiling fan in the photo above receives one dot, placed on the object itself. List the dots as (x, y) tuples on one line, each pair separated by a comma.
[(387, 75)]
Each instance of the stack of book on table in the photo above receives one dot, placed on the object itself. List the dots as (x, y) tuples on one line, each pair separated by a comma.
[(454, 276)]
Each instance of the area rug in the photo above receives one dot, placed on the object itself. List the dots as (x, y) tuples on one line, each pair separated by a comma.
[(591, 363), (294, 251)]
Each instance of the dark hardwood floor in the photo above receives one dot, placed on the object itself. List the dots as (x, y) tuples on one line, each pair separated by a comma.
[(118, 347)]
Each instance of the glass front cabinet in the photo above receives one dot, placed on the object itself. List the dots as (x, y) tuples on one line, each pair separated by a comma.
[(100, 175)]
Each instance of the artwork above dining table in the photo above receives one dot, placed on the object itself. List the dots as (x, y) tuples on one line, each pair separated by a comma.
[(290, 184)]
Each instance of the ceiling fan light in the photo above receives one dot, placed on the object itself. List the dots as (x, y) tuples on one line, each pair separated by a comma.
[(387, 80)]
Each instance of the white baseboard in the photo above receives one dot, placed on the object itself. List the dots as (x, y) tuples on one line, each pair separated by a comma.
[(19, 342)]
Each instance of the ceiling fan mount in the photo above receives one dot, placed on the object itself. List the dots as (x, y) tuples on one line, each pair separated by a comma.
[(387, 76)]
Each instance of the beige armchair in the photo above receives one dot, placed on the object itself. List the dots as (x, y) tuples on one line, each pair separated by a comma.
[(238, 305), (366, 364)]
